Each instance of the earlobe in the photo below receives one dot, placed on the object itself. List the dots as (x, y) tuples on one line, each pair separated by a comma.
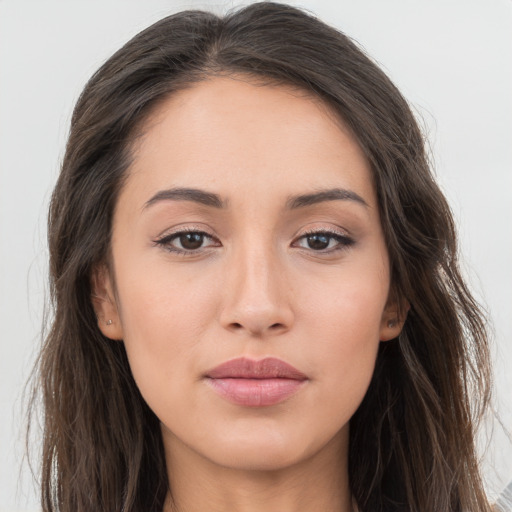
[(393, 319), (104, 303)]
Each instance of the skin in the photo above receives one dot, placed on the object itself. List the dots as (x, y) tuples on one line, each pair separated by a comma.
[(254, 288)]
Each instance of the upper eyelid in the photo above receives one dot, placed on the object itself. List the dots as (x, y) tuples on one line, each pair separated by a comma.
[(207, 232), (165, 241), (343, 241), (167, 238), (185, 229), (329, 231)]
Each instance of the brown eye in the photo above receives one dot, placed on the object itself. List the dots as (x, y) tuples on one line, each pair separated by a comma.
[(191, 241), (318, 241), (188, 242), (324, 241)]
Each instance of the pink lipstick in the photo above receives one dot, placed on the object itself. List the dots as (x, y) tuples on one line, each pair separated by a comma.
[(254, 383)]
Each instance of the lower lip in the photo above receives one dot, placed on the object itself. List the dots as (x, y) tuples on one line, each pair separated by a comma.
[(255, 392)]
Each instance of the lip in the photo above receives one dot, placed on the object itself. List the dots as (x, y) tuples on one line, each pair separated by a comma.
[(253, 383)]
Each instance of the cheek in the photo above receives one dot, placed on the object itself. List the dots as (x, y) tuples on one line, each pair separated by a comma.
[(343, 323), (163, 318), (162, 300)]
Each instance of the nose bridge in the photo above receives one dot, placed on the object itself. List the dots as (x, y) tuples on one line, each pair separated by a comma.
[(257, 292)]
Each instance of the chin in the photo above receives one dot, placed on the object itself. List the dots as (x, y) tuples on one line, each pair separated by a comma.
[(259, 457), (269, 450)]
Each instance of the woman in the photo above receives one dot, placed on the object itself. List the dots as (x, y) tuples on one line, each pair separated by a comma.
[(257, 299)]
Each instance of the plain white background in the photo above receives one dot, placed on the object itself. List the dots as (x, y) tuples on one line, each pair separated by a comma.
[(451, 59)]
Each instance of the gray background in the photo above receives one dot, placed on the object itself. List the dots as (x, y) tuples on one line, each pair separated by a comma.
[(451, 59)]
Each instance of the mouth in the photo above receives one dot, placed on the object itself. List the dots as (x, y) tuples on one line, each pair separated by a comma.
[(252, 383)]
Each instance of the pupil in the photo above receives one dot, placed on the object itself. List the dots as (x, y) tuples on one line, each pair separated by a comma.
[(318, 241), (191, 240)]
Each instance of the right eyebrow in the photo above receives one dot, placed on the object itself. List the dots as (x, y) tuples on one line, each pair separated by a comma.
[(186, 194)]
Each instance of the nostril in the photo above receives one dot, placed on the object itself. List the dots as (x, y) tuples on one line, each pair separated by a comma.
[(236, 326)]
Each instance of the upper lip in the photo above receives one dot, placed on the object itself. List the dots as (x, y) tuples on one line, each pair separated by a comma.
[(245, 368)]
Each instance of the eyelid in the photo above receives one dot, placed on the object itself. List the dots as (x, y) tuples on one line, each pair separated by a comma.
[(191, 227), (345, 240), (323, 229), (163, 240), (330, 230)]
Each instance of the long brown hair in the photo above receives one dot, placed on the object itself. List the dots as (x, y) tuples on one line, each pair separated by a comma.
[(412, 438)]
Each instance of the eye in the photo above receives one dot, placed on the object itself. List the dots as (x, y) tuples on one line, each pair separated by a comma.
[(324, 241), (186, 242)]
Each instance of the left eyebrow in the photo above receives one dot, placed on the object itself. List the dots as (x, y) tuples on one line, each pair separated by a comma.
[(333, 194)]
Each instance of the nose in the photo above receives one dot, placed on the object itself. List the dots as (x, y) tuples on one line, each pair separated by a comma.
[(257, 296)]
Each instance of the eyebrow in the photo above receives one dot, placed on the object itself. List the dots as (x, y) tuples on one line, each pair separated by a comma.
[(215, 201), (333, 194), (187, 194)]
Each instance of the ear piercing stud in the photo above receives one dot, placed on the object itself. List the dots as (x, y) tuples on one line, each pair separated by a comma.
[(391, 323), (109, 322)]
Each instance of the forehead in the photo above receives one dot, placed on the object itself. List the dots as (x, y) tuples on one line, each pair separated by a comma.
[(231, 135)]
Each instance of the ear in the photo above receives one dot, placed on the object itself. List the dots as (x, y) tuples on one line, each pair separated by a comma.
[(393, 317), (104, 303)]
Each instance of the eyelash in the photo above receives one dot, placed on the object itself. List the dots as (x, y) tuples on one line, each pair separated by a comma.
[(343, 241), (166, 241)]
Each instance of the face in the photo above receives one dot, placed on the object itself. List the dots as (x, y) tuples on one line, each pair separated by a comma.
[(250, 276)]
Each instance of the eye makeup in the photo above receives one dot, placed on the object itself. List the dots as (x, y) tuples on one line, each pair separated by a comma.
[(187, 241), (193, 241), (324, 241)]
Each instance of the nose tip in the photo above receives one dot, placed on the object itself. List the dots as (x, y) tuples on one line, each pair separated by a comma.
[(257, 301)]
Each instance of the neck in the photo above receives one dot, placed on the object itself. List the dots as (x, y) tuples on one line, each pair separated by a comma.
[(318, 483)]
